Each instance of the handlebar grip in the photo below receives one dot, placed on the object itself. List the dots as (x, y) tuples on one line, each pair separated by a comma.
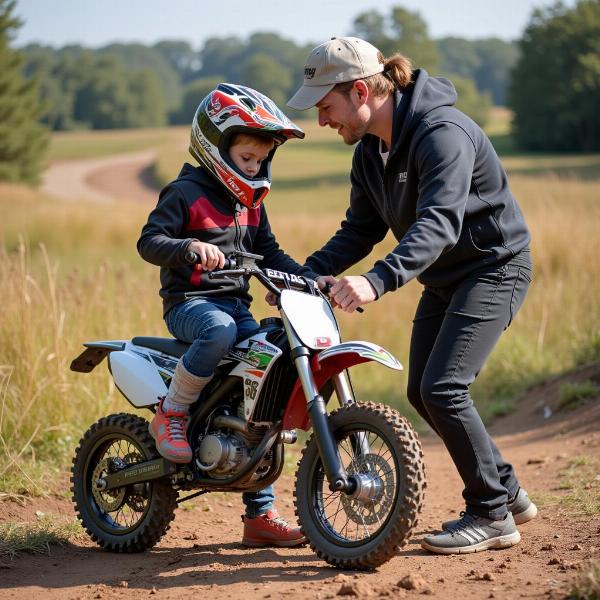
[(192, 258)]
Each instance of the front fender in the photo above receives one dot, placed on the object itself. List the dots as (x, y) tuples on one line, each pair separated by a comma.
[(324, 366), (342, 356)]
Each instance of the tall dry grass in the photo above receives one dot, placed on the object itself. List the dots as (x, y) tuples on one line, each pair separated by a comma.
[(70, 273)]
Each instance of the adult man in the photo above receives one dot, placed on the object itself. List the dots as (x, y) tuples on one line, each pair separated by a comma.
[(428, 173)]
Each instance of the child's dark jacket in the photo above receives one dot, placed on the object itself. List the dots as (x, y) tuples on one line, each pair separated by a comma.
[(196, 207)]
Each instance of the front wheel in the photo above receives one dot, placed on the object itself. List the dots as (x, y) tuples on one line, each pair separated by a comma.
[(131, 518), (363, 530)]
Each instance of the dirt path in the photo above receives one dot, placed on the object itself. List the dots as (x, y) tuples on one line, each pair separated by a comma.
[(120, 177), (201, 554)]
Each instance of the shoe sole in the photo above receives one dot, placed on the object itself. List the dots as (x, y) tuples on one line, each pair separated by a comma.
[(524, 516), (503, 541), (282, 544), (527, 515)]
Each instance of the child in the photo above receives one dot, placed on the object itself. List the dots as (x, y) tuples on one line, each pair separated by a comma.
[(214, 210)]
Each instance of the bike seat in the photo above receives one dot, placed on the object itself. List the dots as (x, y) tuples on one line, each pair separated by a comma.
[(169, 346)]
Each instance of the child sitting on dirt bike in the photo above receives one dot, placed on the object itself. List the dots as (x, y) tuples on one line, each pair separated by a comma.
[(214, 210)]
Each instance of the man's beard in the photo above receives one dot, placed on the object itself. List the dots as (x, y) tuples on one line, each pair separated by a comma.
[(355, 134)]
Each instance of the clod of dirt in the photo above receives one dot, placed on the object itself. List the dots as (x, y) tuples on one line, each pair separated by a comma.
[(340, 578), (576, 547), (554, 561), (355, 588), (123, 584), (548, 547), (414, 581)]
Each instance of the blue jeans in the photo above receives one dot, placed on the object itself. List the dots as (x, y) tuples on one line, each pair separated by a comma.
[(212, 326)]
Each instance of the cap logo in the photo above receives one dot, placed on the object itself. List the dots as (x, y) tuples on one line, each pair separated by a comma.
[(309, 72)]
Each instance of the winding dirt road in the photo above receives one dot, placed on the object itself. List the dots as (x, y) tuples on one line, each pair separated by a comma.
[(119, 177)]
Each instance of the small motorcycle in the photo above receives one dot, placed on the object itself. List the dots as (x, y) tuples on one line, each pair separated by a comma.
[(360, 479)]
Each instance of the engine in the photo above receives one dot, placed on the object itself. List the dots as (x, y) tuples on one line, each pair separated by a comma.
[(222, 454)]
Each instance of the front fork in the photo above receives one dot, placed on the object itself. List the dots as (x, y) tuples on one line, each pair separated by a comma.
[(332, 463)]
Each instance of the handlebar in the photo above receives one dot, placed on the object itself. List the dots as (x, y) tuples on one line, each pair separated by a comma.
[(244, 263)]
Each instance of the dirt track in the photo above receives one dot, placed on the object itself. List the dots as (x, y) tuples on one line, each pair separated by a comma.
[(201, 554), (124, 176)]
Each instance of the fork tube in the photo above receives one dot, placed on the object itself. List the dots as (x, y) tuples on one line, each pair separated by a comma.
[(328, 450), (345, 396), (343, 389)]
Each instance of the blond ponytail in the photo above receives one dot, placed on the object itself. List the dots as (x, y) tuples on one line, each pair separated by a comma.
[(399, 69)]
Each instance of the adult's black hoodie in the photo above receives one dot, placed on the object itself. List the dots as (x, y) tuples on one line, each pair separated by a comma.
[(196, 207), (443, 193)]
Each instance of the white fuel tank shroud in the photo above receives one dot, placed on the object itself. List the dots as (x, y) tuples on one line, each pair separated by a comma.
[(312, 319), (136, 377)]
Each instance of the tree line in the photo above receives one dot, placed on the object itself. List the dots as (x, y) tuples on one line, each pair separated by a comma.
[(136, 85), (550, 78)]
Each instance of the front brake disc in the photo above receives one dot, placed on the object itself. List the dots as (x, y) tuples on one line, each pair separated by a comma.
[(369, 511)]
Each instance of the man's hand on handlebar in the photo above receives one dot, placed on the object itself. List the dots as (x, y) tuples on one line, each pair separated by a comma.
[(349, 292), (209, 255)]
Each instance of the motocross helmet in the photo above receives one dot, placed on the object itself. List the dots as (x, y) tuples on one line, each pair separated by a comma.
[(231, 109)]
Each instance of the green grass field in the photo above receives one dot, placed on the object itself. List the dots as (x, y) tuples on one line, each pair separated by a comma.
[(70, 273)]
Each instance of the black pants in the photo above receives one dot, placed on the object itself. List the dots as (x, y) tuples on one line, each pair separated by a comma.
[(455, 329)]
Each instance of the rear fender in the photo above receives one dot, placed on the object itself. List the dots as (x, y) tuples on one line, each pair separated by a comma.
[(94, 354), (324, 366)]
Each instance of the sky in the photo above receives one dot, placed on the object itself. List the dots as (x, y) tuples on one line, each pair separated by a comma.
[(95, 23)]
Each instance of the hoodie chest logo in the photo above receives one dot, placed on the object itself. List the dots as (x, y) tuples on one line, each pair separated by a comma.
[(402, 176)]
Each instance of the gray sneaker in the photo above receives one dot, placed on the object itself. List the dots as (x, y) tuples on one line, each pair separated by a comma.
[(474, 534), (522, 509)]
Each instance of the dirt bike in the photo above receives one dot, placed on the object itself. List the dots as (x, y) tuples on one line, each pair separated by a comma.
[(360, 479)]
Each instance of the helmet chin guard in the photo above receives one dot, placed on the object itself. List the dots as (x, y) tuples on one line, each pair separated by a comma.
[(231, 109)]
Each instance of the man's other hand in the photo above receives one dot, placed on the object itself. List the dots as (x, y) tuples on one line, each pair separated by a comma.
[(352, 291)]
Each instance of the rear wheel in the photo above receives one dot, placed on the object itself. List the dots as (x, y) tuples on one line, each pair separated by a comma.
[(134, 517), (365, 529)]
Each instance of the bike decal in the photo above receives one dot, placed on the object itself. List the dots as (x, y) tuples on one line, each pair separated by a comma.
[(142, 355), (256, 356), (251, 388), (260, 354), (255, 373)]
